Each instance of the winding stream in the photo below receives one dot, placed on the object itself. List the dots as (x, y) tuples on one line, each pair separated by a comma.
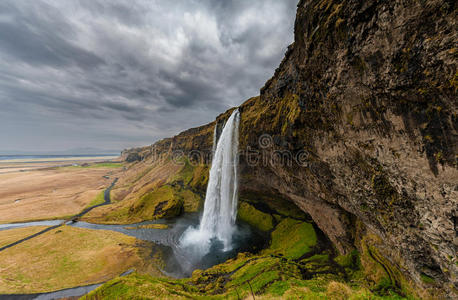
[(54, 223), (191, 241), (178, 263)]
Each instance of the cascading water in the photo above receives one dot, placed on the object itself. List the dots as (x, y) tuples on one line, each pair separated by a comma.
[(220, 208)]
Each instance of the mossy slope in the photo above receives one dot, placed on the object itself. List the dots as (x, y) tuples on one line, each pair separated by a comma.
[(299, 263), (163, 189)]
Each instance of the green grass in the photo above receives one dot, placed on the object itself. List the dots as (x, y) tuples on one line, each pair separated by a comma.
[(193, 177), (104, 165), (12, 235), (266, 274), (138, 286), (108, 165), (99, 199), (164, 202), (252, 269), (66, 257)]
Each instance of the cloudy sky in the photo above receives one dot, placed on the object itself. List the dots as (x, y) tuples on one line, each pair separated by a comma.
[(115, 74)]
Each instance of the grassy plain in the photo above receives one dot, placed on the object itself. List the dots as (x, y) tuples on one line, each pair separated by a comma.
[(67, 257), (38, 191), (12, 235)]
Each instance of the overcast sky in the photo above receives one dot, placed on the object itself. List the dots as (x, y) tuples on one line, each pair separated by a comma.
[(115, 74)]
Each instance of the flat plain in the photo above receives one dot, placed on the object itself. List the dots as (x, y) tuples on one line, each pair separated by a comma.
[(49, 190)]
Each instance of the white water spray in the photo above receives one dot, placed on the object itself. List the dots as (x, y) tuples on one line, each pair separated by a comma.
[(220, 208)]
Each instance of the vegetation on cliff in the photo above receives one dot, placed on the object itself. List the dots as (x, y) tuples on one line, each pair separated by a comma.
[(298, 262), (364, 104), (153, 190)]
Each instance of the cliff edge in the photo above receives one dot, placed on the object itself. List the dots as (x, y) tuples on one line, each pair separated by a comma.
[(358, 128)]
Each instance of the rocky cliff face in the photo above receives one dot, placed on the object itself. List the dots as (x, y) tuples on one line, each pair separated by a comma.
[(358, 127)]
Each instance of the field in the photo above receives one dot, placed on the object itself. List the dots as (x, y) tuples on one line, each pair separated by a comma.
[(67, 257), (64, 257), (50, 190), (12, 235)]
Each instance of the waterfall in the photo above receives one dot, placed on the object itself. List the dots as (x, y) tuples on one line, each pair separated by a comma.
[(220, 208), (215, 139)]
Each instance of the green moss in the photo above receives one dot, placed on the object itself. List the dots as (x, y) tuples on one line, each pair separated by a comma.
[(279, 206), (191, 200), (185, 174), (426, 279), (278, 288), (289, 112), (161, 203), (189, 183), (351, 260), (164, 202), (265, 278), (249, 271), (137, 286), (200, 177), (254, 217), (190, 175), (382, 276), (317, 258), (292, 238)]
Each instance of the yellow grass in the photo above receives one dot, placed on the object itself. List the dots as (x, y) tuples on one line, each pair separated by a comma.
[(50, 193), (12, 235), (99, 199), (66, 257)]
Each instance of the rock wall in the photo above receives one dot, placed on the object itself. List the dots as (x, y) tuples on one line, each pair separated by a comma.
[(358, 127)]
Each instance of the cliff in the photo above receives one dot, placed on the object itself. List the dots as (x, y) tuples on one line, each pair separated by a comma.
[(358, 128)]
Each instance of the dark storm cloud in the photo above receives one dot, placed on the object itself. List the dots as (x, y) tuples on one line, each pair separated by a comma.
[(41, 38), (118, 73)]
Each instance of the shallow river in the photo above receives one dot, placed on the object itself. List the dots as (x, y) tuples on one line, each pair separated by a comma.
[(179, 261)]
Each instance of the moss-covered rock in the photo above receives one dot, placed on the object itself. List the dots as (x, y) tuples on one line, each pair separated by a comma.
[(190, 182), (292, 239), (380, 274), (376, 125), (249, 214), (161, 203), (273, 204), (164, 202), (138, 286), (291, 267)]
